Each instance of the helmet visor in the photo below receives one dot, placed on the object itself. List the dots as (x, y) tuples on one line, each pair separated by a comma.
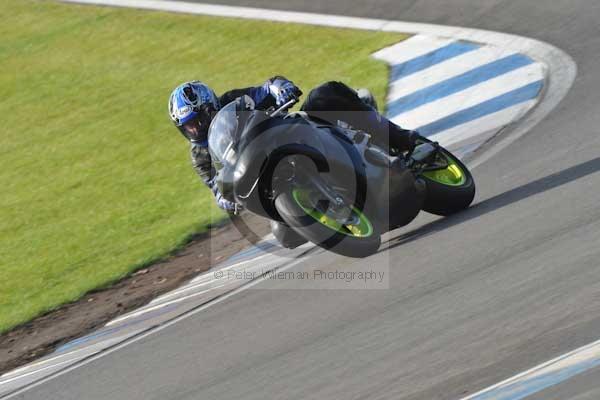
[(195, 129)]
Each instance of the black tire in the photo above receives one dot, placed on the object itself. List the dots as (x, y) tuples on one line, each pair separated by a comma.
[(445, 199), (286, 236), (325, 237)]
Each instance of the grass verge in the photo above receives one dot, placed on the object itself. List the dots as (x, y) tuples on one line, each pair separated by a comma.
[(96, 182)]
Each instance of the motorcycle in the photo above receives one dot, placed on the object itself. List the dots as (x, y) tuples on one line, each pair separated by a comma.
[(330, 184)]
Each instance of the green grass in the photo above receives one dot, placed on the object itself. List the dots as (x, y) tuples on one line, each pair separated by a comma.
[(95, 180)]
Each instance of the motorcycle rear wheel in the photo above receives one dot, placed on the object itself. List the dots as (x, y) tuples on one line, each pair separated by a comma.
[(449, 190)]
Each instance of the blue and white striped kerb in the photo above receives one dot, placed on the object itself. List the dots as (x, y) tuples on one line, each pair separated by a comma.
[(459, 93)]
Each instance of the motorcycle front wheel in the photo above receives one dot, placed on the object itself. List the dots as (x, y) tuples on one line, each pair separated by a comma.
[(356, 237)]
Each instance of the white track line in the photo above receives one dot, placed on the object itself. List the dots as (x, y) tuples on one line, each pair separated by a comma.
[(37, 371), (176, 295), (147, 309), (337, 21), (184, 289), (554, 372), (210, 275), (212, 279), (38, 363), (72, 357)]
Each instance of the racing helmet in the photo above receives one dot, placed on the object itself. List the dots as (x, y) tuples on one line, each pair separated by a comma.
[(192, 106)]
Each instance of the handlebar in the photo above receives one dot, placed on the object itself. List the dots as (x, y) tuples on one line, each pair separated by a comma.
[(284, 107)]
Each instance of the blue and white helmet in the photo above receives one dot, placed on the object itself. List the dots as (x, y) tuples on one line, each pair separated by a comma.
[(192, 106)]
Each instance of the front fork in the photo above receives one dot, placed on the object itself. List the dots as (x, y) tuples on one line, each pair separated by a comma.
[(295, 173), (325, 198), (318, 183)]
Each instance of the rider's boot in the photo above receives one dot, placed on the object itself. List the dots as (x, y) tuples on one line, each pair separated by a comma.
[(424, 152), (397, 140)]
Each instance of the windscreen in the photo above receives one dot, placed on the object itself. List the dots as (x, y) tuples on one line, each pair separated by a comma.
[(222, 134)]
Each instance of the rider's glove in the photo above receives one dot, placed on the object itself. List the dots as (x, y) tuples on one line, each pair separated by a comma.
[(222, 202), (225, 204), (283, 90)]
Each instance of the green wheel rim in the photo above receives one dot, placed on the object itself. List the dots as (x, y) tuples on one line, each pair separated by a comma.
[(453, 175), (362, 229)]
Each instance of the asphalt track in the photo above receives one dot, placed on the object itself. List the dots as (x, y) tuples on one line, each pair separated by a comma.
[(473, 299)]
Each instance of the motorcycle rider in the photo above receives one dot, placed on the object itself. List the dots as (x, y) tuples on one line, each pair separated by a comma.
[(192, 105)]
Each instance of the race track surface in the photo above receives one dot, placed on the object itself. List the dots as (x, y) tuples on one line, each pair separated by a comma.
[(473, 299)]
